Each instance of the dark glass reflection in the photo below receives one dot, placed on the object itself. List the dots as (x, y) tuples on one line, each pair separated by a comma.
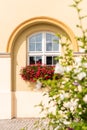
[(39, 59), (35, 60), (32, 60), (49, 60)]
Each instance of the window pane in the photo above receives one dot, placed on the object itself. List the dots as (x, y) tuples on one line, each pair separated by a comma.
[(55, 47), (55, 39), (39, 59), (49, 60), (38, 46), (55, 43), (31, 46), (32, 39), (39, 37), (48, 46), (48, 42), (48, 37), (32, 60)]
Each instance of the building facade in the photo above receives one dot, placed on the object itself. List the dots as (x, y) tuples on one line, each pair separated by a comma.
[(22, 21)]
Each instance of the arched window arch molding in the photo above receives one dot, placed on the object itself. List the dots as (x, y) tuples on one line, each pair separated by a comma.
[(41, 21)]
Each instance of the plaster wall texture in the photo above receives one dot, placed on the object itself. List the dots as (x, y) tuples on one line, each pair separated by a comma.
[(5, 74), (14, 93), (14, 12)]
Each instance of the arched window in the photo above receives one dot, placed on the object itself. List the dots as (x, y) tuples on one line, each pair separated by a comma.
[(42, 48)]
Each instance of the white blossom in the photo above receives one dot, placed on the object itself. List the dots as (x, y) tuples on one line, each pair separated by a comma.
[(71, 104), (85, 98), (66, 122), (60, 112), (81, 75), (57, 128), (77, 70), (62, 96), (78, 61), (79, 88), (85, 65), (67, 95), (79, 105), (68, 68), (59, 69), (82, 49), (67, 104)]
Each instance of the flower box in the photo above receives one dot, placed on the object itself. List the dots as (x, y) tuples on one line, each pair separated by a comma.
[(38, 72)]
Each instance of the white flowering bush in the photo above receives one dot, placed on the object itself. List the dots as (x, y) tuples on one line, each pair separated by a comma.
[(68, 95)]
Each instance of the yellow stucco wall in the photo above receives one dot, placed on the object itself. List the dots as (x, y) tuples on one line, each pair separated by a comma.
[(5, 73), (15, 17), (14, 12)]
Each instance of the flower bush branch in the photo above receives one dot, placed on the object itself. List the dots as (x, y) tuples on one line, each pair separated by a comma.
[(68, 95)]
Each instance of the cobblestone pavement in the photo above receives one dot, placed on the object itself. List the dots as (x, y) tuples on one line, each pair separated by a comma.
[(17, 124)]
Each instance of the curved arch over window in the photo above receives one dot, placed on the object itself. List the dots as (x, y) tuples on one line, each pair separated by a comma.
[(42, 21)]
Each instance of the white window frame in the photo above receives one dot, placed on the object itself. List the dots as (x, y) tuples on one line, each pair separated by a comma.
[(42, 53)]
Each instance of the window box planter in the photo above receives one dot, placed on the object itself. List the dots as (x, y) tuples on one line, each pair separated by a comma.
[(37, 73)]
